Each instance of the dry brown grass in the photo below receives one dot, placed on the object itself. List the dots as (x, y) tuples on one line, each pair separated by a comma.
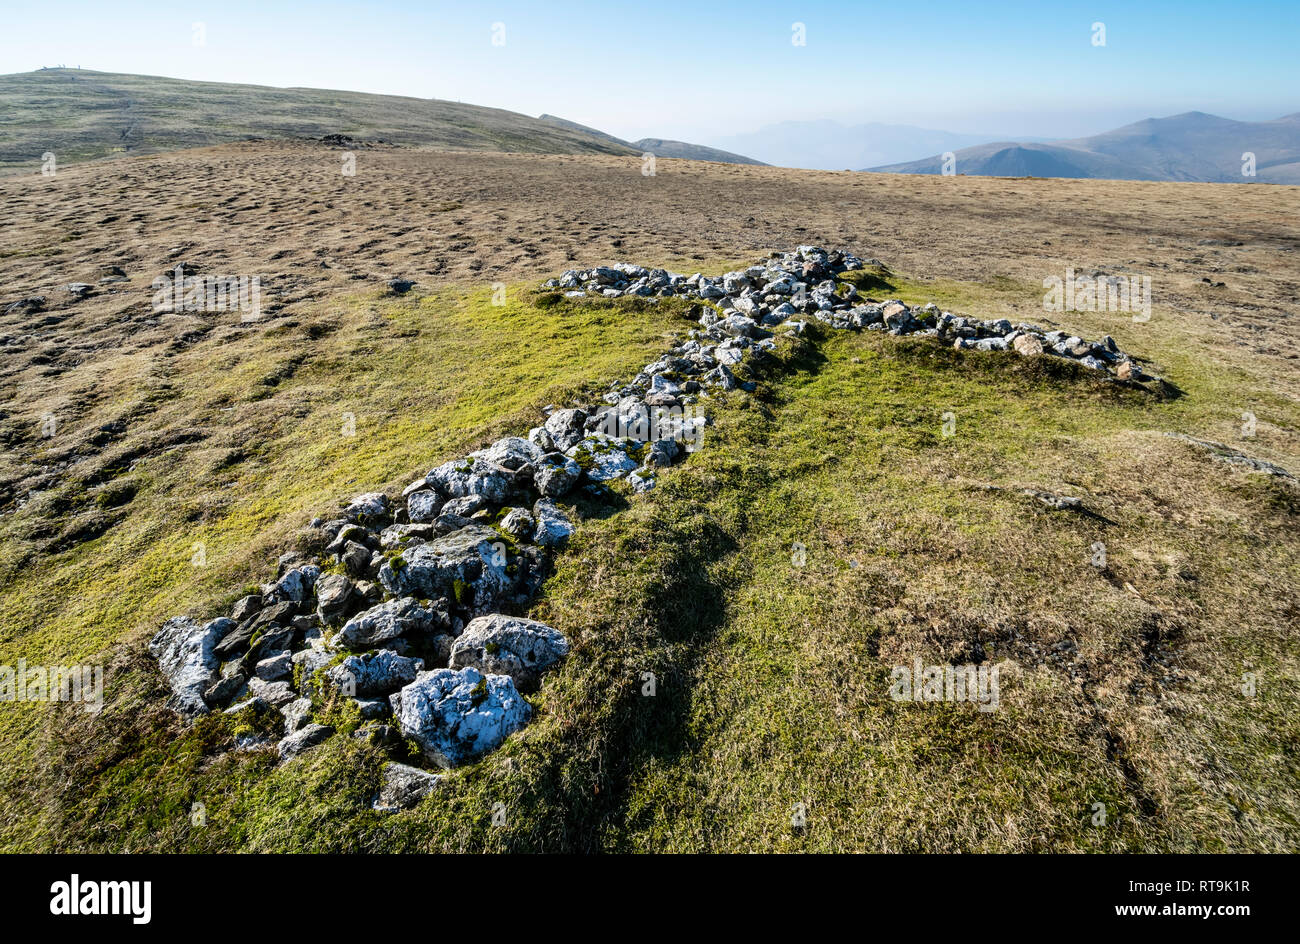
[(284, 212)]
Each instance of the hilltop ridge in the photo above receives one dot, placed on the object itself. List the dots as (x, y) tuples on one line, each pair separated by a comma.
[(82, 115)]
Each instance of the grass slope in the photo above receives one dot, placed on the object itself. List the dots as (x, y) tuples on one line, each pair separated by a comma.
[(1123, 684), (692, 152), (424, 382), (82, 115)]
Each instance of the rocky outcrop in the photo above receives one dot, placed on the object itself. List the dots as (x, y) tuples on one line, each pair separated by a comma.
[(468, 566), (747, 305)]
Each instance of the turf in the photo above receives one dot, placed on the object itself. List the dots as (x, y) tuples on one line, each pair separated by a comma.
[(770, 726)]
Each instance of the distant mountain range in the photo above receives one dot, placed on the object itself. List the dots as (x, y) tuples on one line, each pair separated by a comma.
[(1193, 147), (658, 146), (84, 115), (831, 145)]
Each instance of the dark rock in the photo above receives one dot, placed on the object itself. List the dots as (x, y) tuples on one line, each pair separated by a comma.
[(246, 607), (403, 787), (222, 691), (300, 741)]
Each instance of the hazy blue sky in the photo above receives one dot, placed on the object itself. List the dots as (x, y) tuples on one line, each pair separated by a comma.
[(696, 70)]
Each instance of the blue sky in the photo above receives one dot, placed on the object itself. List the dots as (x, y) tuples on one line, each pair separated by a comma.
[(698, 70)]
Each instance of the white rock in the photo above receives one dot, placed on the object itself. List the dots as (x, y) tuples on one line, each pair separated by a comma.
[(602, 458), (473, 476), (307, 662), (512, 453), (423, 505), (468, 565), (275, 694), (540, 438), (641, 480), (275, 667), (565, 427), (553, 526), (375, 673), (509, 645), (518, 523), (418, 485), (332, 594), (296, 714), (456, 716), (386, 621), (183, 649), (295, 585), (367, 507), (556, 476)]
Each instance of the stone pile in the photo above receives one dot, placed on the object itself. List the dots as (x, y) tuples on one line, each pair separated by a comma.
[(404, 610), (780, 293)]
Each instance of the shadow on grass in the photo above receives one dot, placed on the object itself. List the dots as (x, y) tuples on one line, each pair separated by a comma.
[(627, 692), (626, 701), (1042, 370), (869, 280)]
